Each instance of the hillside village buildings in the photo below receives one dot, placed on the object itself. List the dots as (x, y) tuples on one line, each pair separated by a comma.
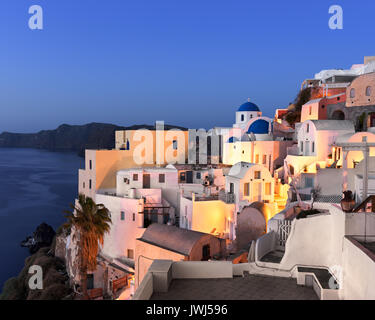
[(254, 208)]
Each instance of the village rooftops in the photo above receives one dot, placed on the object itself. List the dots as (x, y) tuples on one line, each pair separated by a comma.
[(148, 169), (240, 169), (172, 238), (333, 125), (197, 167), (324, 98)]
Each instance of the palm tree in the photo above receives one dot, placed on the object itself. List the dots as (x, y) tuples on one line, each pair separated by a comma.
[(91, 221)]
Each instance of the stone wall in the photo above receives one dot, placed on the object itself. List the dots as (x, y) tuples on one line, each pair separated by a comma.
[(360, 85)]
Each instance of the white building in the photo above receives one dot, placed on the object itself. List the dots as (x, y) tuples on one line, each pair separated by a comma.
[(315, 140)]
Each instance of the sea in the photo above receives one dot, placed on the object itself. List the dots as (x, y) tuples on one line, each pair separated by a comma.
[(35, 187)]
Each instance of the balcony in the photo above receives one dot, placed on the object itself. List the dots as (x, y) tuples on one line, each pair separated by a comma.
[(228, 198)]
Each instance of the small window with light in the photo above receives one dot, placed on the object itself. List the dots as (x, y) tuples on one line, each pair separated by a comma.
[(368, 91)]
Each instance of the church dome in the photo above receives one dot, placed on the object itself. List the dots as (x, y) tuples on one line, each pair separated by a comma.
[(249, 106), (259, 127)]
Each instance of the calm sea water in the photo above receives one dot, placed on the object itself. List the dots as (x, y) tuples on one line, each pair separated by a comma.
[(35, 187)]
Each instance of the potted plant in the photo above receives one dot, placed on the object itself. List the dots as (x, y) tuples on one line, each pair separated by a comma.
[(348, 203)]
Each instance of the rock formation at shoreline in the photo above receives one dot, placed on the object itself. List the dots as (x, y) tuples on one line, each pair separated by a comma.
[(42, 237)]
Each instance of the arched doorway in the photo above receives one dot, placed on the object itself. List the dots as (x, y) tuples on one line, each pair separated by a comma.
[(338, 115)]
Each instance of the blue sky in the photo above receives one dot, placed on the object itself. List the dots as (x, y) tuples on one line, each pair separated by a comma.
[(189, 63)]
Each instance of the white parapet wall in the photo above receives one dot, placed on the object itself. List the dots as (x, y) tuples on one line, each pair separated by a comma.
[(316, 241), (358, 271), (145, 289), (202, 270), (264, 245)]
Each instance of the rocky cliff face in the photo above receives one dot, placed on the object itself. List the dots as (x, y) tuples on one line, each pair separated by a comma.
[(42, 237), (69, 138), (64, 138)]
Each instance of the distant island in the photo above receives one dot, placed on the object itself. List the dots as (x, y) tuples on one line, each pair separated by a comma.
[(66, 137)]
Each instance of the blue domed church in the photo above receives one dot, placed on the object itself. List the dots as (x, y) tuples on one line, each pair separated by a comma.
[(249, 119), (245, 113)]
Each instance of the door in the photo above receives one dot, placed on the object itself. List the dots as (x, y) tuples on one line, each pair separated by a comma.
[(90, 281), (146, 181), (307, 148), (189, 176), (231, 188), (257, 191), (206, 252)]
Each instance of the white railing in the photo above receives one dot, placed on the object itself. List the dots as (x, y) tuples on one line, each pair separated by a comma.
[(227, 197), (283, 231)]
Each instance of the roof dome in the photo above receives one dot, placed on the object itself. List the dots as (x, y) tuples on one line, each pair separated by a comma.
[(248, 106), (233, 140), (259, 127)]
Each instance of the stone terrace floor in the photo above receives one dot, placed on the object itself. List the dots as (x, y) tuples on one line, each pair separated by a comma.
[(250, 287)]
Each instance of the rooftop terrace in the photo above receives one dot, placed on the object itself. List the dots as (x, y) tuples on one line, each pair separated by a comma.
[(250, 287)]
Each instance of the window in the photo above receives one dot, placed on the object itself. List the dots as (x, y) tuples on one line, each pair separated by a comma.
[(135, 177), (301, 146), (268, 188), (257, 158), (161, 178), (90, 164), (130, 254), (247, 189), (264, 159), (84, 185), (122, 215), (313, 147), (231, 188), (368, 91), (323, 106), (133, 216), (242, 117), (198, 175), (182, 176), (291, 169), (309, 182), (257, 175), (310, 110), (174, 144), (307, 128), (90, 184), (352, 93)]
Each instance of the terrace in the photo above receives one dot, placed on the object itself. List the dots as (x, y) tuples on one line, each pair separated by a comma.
[(250, 287), (216, 280)]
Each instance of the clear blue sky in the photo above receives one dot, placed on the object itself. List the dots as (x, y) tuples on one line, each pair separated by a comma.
[(187, 62)]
